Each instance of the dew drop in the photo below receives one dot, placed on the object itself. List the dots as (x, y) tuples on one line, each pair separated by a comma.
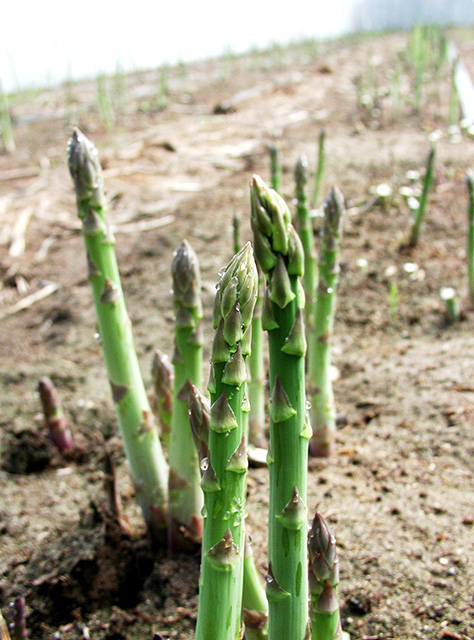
[(221, 272), (308, 405), (204, 464), (330, 290)]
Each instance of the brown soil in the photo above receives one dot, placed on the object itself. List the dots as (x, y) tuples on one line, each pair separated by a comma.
[(399, 491)]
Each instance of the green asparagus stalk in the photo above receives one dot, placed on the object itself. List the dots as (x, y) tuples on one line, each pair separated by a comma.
[(323, 410), (420, 212), (6, 128), (142, 446), (305, 230), (236, 232), (318, 176), (224, 470), (275, 169), (55, 420), (323, 581), (256, 381), (185, 495), (280, 255), (254, 601), (470, 233), (163, 381)]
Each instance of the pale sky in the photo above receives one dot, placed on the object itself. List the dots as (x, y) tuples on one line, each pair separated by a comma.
[(52, 39)]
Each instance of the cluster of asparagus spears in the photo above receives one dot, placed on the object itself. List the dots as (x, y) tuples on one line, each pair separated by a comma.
[(209, 478)]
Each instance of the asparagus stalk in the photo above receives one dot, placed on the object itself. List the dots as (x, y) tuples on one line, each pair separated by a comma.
[(163, 381), (236, 232), (323, 410), (19, 619), (142, 446), (224, 470), (305, 230), (420, 212), (256, 381), (280, 256), (6, 129), (185, 495), (318, 176), (275, 169), (470, 233), (323, 581), (56, 422), (254, 601)]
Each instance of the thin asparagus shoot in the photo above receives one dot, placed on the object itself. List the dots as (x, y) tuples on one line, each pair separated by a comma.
[(162, 374), (185, 495), (420, 212), (305, 231), (321, 161), (224, 469), (470, 233), (323, 410), (254, 601), (148, 466), (236, 232), (323, 581), (6, 128), (275, 168), (256, 380), (56, 422), (280, 256)]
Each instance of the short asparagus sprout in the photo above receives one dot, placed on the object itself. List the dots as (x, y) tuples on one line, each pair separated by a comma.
[(185, 495), (449, 297), (304, 227), (320, 162), (56, 422), (323, 410), (323, 582), (19, 619), (142, 446), (420, 213), (163, 381), (412, 175), (224, 469), (470, 233), (280, 256), (384, 194)]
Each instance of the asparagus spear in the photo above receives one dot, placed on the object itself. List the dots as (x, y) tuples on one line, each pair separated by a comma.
[(254, 601), (55, 420), (305, 231), (323, 410), (470, 233), (256, 382), (236, 232), (224, 470), (323, 581), (318, 177), (185, 520), (275, 169), (142, 446), (163, 380), (420, 212), (280, 256)]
